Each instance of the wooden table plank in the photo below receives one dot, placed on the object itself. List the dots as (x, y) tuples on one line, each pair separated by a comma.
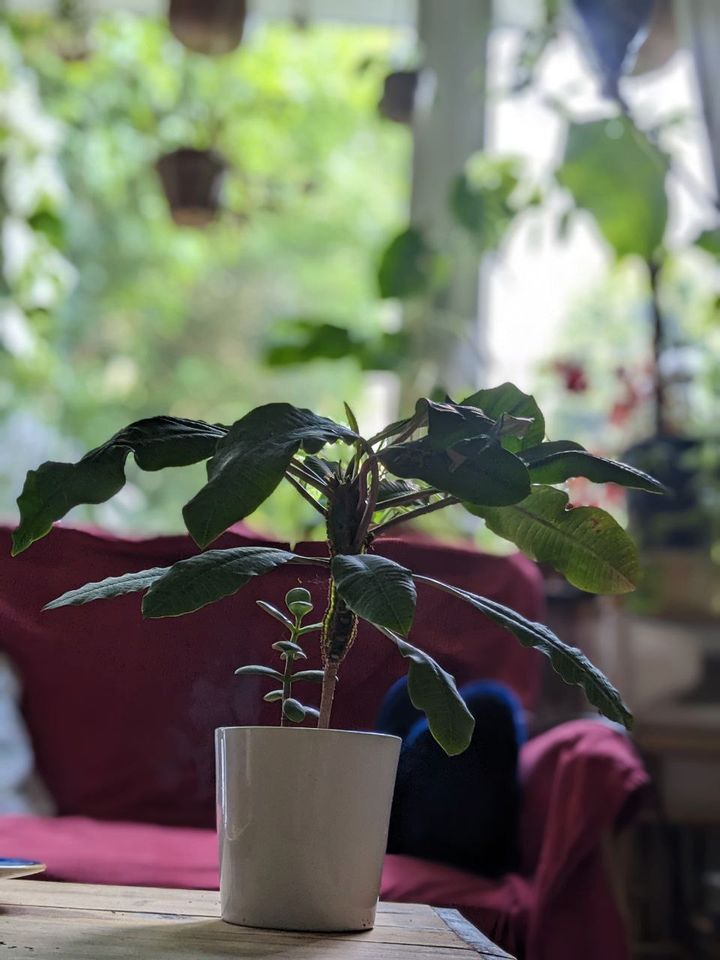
[(87, 922)]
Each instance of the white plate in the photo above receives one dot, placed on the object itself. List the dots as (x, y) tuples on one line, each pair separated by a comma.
[(12, 867)]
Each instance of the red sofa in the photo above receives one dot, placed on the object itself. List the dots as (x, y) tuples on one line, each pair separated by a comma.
[(121, 713)]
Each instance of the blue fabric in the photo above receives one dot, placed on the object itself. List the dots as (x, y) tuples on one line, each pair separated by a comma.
[(459, 810)]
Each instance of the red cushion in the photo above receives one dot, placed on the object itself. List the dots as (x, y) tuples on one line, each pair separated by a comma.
[(121, 710)]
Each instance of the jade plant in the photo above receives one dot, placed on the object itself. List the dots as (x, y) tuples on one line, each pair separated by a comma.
[(488, 453)]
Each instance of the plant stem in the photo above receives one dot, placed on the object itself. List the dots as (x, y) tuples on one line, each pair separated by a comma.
[(372, 465), (305, 494), (328, 693), (297, 469), (660, 413), (413, 514)]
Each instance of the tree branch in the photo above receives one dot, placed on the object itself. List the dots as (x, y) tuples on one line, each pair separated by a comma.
[(413, 514)]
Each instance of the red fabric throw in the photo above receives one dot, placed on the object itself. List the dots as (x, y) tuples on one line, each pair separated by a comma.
[(121, 710)]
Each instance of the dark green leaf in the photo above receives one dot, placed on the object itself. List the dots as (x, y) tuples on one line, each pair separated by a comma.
[(376, 589), (55, 488), (293, 710), (433, 691), (406, 266), (556, 466), (274, 612), (251, 461), (193, 583), (448, 423), (507, 398), (572, 665), (111, 587), (616, 174), (315, 676), (257, 671), (491, 475), (394, 489), (288, 647), (584, 543)]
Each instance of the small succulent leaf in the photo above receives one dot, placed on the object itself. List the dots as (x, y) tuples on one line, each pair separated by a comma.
[(287, 646), (54, 489), (507, 398), (489, 475), (274, 612), (110, 587), (193, 583), (433, 691), (250, 461), (297, 595), (294, 710), (254, 670), (558, 466), (572, 665), (376, 589), (314, 676), (586, 544), (311, 712), (273, 696), (310, 628)]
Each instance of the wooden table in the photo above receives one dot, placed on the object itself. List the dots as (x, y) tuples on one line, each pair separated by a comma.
[(72, 921)]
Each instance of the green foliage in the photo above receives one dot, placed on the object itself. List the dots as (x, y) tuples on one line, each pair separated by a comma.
[(461, 454), (585, 544), (303, 340), (407, 265), (481, 199), (572, 665), (615, 174)]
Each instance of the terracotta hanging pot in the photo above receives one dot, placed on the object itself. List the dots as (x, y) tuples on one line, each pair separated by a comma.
[(208, 26), (398, 97), (192, 181)]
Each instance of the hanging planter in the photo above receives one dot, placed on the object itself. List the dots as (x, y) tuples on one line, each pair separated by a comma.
[(398, 97), (192, 181), (212, 27)]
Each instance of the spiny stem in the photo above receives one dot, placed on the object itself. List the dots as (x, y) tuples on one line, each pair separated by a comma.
[(372, 496), (328, 693), (413, 514)]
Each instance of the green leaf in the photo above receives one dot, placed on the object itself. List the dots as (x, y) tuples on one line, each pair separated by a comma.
[(110, 587), (433, 691), (556, 466), (55, 488), (193, 583), (251, 461), (273, 696), (314, 676), (293, 710), (287, 646), (584, 543), (480, 199), (572, 665), (392, 490), (507, 398), (257, 671), (274, 612), (448, 423), (490, 475), (709, 241), (376, 589), (407, 265), (616, 174)]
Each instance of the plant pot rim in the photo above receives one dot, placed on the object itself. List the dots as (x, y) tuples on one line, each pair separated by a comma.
[(315, 731)]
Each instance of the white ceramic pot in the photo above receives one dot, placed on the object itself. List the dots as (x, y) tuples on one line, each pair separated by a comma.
[(303, 818)]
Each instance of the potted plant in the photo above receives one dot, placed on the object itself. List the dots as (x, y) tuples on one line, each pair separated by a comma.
[(192, 181), (208, 26), (303, 797)]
